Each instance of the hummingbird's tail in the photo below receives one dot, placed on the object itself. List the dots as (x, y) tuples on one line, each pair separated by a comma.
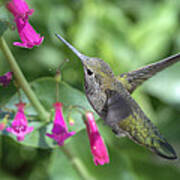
[(157, 144), (145, 133), (162, 148)]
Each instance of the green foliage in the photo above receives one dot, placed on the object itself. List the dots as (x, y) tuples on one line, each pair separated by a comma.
[(3, 27), (166, 86), (126, 34), (45, 90)]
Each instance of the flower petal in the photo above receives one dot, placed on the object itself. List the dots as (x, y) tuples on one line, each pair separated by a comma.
[(19, 126), (21, 12), (59, 131), (19, 8), (20, 138), (28, 35), (24, 45), (6, 78), (98, 147), (29, 129)]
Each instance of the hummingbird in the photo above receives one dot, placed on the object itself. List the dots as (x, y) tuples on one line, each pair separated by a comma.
[(110, 97)]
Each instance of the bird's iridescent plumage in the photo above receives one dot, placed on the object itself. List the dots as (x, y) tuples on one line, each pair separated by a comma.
[(110, 96)]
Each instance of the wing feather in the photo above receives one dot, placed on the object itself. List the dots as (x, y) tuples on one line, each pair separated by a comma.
[(131, 80)]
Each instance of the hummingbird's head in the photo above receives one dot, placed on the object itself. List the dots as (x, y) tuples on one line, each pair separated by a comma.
[(93, 67)]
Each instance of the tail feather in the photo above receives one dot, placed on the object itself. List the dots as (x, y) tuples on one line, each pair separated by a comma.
[(149, 136), (164, 149)]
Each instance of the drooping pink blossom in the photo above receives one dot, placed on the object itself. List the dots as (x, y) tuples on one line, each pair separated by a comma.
[(21, 13), (19, 126), (98, 147), (60, 131), (28, 35), (6, 78)]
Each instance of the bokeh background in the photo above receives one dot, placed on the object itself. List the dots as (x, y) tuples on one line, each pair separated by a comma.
[(126, 34)]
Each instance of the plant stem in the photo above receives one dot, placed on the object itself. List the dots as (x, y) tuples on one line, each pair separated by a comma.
[(57, 91), (77, 164), (22, 82)]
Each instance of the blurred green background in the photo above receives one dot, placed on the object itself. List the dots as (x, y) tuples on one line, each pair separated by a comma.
[(126, 34)]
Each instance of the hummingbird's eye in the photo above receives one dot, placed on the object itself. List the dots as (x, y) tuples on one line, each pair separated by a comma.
[(89, 72)]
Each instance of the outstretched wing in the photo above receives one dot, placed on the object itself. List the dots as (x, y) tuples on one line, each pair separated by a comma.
[(131, 80)]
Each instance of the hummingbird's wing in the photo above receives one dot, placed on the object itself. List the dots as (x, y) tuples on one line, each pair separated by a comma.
[(131, 80), (123, 114)]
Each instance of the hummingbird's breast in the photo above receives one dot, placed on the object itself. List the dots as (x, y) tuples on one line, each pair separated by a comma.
[(96, 97)]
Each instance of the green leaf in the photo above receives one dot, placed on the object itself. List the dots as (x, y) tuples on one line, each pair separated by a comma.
[(155, 169), (45, 90), (3, 27), (2, 2), (6, 93), (58, 159), (5, 20)]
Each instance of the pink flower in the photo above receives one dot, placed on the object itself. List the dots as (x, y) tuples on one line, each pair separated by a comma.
[(98, 148), (19, 8), (21, 13), (6, 78), (60, 131), (28, 35), (20, 124)]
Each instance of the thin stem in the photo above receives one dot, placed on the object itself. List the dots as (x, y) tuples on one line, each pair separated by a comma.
[(57, 91), (19, 94), (77, 164), (22, 82), (18, 90)]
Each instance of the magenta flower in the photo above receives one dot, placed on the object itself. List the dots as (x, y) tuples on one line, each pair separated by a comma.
[(98, 148), (19, 9), (28, 35), (21, 13), (20, 124), (6, 78), (60, 131)]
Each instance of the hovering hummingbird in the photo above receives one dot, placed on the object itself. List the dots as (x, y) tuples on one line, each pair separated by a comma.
[(110, 97)]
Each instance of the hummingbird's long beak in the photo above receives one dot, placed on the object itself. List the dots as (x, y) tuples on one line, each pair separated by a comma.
[(81, 56)]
